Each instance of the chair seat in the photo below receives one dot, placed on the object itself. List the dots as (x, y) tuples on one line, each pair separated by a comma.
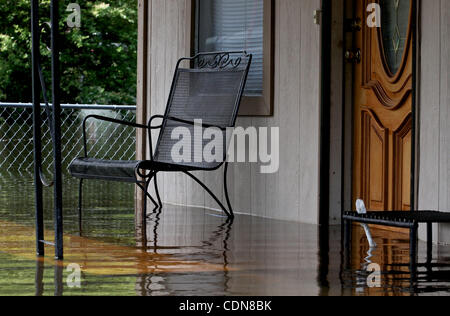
[(119, 170), (111, 170)]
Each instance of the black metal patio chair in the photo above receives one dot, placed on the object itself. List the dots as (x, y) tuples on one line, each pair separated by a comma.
[(209, 88)]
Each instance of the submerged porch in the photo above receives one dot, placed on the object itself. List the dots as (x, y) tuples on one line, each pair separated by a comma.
[(192, 251)]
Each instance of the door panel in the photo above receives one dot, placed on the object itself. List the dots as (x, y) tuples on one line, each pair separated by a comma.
[(374, 169), (402, 173), (383, 108)]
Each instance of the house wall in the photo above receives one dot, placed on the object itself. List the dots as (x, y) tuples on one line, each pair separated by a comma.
[(293, 192), (434, 106)]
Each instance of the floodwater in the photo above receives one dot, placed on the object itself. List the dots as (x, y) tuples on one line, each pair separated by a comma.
[(190, 251)]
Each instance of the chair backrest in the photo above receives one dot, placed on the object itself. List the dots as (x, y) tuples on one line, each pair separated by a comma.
[(209, 90)]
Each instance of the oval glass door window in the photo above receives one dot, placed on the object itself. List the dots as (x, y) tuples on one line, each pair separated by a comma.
[(395, 16)]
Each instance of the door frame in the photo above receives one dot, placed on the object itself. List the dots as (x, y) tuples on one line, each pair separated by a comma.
[(337, 111)]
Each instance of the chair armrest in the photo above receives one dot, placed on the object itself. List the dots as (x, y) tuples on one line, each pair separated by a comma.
[(106, 119), (175, 119), (111, 120)]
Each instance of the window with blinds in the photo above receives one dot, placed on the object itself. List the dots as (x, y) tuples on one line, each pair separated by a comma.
[(224, 25)]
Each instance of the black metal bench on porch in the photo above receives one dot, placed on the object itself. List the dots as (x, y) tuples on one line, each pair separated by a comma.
[(400, 219), (209, 88)]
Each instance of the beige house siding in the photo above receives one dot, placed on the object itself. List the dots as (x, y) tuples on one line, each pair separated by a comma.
[(293, 192), (434, 105)]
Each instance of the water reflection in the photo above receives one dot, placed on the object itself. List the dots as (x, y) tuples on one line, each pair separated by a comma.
[(363, 275), (150, 284), (57, 282), (187, 251), (39, 280), (157, 285), (392, 255)]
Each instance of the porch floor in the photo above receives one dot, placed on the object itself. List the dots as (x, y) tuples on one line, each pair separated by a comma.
[(196, 252)]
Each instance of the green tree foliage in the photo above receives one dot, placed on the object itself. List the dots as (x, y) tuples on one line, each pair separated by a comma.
[(98, 60)]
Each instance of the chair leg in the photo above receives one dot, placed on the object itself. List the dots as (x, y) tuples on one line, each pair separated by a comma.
[(413, 252), (158, 204), (147, 194), (80, 206), (144, 216), (225, 184), (230, 215), (348, 225), (147, 185), (145, 190), (429, 242), (157, 190)]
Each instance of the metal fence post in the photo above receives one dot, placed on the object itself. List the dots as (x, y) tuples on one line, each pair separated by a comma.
[(37, 135), (59, 252)]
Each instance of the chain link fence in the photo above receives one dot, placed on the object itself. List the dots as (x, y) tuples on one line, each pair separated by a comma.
[(105, 140)]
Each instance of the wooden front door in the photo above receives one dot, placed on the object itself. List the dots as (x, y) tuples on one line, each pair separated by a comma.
[(383, 105)]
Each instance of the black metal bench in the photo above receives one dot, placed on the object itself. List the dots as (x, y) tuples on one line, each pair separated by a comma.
[(209, 89), (402, 219)]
